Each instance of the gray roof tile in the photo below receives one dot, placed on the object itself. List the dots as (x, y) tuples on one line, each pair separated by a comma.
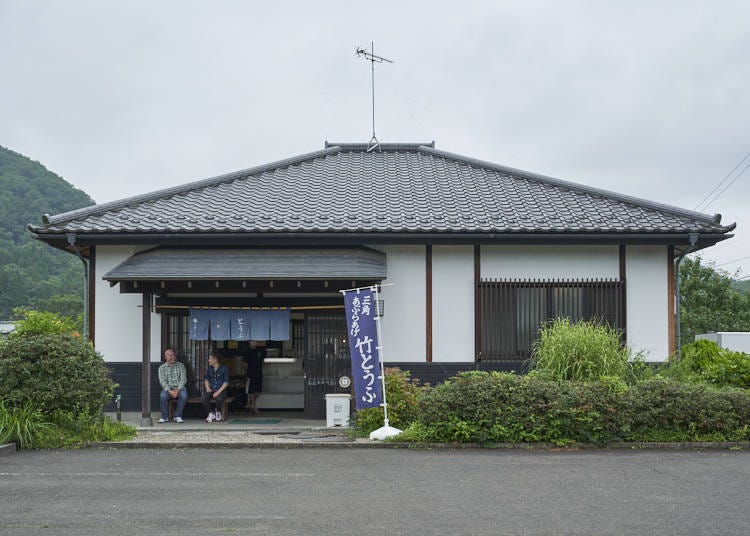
[(402, 188), (239, 263)]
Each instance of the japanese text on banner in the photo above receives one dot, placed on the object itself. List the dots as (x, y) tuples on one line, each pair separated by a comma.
[(363, 347)]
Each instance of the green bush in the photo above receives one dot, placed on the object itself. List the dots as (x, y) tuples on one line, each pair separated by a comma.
[(54, 372), (402, 394), (73, 430), (24, 425), (668, 410), (706, 361), (43, 322), (486, 407), (582, 351), (491, 407), (29, 428)]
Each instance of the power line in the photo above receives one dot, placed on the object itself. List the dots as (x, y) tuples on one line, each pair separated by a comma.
[(727, 186), (734, 260), (703, 205)]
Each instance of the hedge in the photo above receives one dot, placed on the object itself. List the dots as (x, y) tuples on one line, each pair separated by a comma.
[(491, 407)]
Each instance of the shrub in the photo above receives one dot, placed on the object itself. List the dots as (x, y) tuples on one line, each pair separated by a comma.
[(23, 425), (486, 407), (706, 361), (73, 430), (582, 351), (29, 428), (490, 407), (668, 410), (54, 372), (402, 394), (42, 322)]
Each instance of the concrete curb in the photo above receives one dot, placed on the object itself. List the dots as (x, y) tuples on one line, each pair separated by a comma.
[(546, 447), (7, 449)]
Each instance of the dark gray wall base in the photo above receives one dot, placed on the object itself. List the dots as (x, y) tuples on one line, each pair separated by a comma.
[(128, 376)]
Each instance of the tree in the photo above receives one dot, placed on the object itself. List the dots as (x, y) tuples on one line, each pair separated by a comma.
[(32, 273), (709, 301)]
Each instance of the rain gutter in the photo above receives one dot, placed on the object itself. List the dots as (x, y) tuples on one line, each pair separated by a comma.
[(693, 239), (72, 241)]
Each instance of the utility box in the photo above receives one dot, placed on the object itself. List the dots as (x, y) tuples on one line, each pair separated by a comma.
[(337, 409), (737, 341)]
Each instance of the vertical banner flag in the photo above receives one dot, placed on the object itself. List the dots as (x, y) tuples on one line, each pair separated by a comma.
[(363, 343)]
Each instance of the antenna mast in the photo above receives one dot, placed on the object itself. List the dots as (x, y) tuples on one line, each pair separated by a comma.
[(372, 58)]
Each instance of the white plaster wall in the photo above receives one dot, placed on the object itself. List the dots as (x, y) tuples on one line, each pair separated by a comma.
[(647, 301), (118, 317), (403, 325), (553, 262), (453, 304)]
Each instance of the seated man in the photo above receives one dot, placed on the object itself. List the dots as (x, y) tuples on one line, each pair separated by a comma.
[(216, 383), (172, 377)]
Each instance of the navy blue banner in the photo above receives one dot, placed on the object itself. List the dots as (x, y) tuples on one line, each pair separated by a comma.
[(363, 347), (199, 321), (240, 326)]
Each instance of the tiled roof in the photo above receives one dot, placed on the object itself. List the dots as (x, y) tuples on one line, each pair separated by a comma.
[(401, 188)]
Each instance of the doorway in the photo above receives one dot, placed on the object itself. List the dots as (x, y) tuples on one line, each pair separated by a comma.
[(326, 359), (318, 345)]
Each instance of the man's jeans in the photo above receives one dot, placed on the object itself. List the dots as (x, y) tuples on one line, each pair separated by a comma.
[(164, 398), (208, 399)]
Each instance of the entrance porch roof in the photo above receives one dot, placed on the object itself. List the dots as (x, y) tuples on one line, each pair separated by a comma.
[(196, 264)]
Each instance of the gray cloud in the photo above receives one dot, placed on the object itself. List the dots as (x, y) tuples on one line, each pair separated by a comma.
[(646, 98)]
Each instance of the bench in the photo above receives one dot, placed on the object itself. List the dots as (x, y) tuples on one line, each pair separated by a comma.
[(197, 400)]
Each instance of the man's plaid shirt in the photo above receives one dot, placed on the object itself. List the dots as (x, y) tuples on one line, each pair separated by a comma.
[(174, 377)]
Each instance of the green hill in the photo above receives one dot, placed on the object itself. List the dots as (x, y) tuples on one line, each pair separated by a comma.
[(743, 285), (32, 274)]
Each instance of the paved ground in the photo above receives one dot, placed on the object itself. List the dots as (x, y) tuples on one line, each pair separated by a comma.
[(273, 428), (355, 491)]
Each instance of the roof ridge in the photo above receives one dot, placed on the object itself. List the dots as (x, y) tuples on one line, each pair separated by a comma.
[(714, 219), (395, 146), (194, 185)]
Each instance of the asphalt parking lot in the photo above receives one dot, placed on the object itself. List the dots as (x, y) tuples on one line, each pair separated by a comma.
[(393, 491)]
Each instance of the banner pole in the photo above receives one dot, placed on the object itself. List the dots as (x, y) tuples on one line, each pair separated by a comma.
[(380, 354), (372, 291)]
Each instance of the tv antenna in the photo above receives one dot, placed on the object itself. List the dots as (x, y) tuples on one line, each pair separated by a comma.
[(372, 58)]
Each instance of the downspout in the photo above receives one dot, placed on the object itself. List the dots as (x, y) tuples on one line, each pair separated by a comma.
[(72, 241), (693, 238)]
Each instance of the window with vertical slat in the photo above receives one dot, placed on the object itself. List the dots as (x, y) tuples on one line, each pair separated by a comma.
[(514, 310)]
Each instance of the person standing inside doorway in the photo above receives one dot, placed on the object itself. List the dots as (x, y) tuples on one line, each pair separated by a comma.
[(254, 357), (172, 377), (216, 384)]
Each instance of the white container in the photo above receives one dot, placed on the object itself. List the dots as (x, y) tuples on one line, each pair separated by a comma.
[(337, 409)]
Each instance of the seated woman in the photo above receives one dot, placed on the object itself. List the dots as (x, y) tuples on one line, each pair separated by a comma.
[(216, 383)]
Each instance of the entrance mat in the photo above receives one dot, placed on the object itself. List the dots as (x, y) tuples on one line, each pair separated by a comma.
[(254, 421)]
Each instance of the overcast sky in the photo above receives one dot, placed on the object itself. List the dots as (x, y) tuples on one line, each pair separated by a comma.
[(645, 98)]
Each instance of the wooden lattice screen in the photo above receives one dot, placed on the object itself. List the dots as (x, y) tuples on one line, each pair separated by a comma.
[(514, 310)]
